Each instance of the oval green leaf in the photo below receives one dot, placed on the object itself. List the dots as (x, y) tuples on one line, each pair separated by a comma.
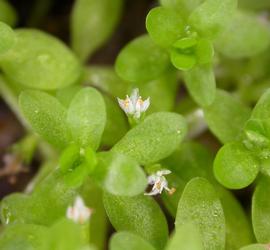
[(235, 167), (141, 60), (46, 115), (164, 26), (140, 215), (200, 205), (154, 139), (92, 23), (86, 117), (120, 174), (38, 60), (244, 27)]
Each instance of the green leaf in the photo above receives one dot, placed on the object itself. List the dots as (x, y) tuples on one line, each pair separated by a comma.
[(65, 234), (40, 61), (261, 210), (226, 116), (7, 13), (163, 88), (141, 60), (140, 215), (204, 51), (201, 84), (86, 117), (255, 247), (8, 38), (182, 61), (238, 227), (184, 7), (106, 79), (188, 237), (23, 237), (126, 240), (235, 167), (154, 139), (89, 30), (212, 16), (200, 205), (248, 28), (119, 174), (164, 26), (116, 124), (46, 115), (262, 108)]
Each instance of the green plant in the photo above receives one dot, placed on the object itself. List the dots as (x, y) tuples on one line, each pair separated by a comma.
[(98, 151)]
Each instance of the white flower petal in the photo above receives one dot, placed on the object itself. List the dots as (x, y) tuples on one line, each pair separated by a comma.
[(145, 105)]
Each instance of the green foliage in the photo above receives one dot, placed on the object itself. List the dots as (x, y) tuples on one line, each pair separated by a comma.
[(46, 115), (86, 117), (244, 27), (141, 60), (235, 167), (101, 155), (173, 27), (126, 240), (185, 7), (200, 205), (261, 210), (154, 139), (192, 160), (88, 29), (23, 236), (187, 236), (140, 215), (255, 247), (38, 60), (226, 116), (7, 13), (119, 174), (200, 82), (8, 38), (212, 16), (47, 203)]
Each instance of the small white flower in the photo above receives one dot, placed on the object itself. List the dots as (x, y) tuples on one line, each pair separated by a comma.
[(134, 105), (159, 182), (79, 213)]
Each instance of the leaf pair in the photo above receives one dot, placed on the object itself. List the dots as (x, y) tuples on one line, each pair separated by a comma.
[(83, 122), (238, 162)]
